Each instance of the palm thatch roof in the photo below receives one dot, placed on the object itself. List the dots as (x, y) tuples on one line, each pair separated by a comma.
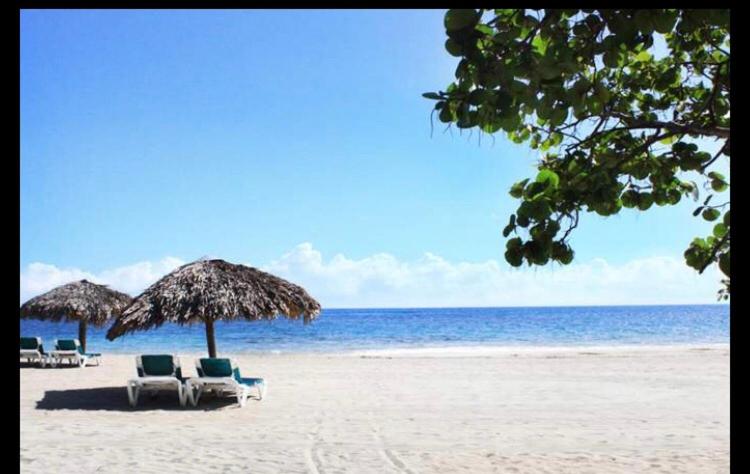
[(77, 301), (210, 290)]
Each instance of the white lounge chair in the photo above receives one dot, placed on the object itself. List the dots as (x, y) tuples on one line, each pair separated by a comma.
[(32, 350), (222, 375), (155, 372), (71, 350)]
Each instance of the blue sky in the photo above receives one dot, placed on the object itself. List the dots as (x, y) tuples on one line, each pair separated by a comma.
[(247, 135)]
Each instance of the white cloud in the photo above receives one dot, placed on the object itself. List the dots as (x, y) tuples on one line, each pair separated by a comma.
[(132, 279), (382, 280)]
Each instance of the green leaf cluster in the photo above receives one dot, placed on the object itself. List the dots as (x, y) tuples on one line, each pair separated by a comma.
[(618, 120)]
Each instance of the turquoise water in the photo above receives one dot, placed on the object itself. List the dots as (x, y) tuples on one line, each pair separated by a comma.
[(342, 330)]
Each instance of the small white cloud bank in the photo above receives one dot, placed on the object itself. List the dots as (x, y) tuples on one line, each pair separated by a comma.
[(382, 280), (38, 278)]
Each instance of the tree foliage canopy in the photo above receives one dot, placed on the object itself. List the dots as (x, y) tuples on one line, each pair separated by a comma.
[(622, 104)]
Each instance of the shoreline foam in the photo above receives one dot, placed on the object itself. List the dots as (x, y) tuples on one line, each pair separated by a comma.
[(451, 351)]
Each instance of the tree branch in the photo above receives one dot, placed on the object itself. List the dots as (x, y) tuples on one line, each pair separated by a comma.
[(716, 156), (715, 251), (721, 132)]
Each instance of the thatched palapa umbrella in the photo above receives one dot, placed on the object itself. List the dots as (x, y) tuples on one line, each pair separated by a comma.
[(209, 290), (80, 301)]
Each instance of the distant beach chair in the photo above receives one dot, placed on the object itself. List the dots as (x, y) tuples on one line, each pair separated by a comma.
[(222, 375), (33, 351), (71, 350), (156, 371)]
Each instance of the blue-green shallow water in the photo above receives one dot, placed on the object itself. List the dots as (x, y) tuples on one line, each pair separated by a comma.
[(342, 330)]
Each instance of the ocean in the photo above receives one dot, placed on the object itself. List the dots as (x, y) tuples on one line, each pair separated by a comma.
[(352, 330)]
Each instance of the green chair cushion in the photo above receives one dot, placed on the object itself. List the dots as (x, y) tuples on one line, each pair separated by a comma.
[(216, 367), (29, 343), (67, 345), (160, 364)]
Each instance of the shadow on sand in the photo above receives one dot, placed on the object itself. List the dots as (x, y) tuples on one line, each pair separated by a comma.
[(36, 365), (116, 399)]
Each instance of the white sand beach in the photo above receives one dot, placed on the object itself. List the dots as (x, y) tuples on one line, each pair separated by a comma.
[(590, 410)]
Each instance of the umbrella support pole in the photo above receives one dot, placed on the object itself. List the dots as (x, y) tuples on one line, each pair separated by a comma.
[(82, 334), (211, 338)]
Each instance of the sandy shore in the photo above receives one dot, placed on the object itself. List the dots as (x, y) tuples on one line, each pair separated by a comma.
[(554, 411)]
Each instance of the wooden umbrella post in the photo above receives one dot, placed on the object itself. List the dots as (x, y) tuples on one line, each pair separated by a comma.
[(210, 338), (82, 333)]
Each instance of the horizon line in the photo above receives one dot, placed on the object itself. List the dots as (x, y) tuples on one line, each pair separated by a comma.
[(537, 306)]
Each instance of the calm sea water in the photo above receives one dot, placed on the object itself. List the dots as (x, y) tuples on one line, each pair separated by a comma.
[(343, 330)]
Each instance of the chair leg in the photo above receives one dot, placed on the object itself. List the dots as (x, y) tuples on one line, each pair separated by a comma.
[(189, 394), (132, 394), (241, 397), (181, 394)]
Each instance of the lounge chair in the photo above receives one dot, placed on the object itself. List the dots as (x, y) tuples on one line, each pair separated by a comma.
[(32, 350), (71, 350), (222, 375), (156, 371)]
